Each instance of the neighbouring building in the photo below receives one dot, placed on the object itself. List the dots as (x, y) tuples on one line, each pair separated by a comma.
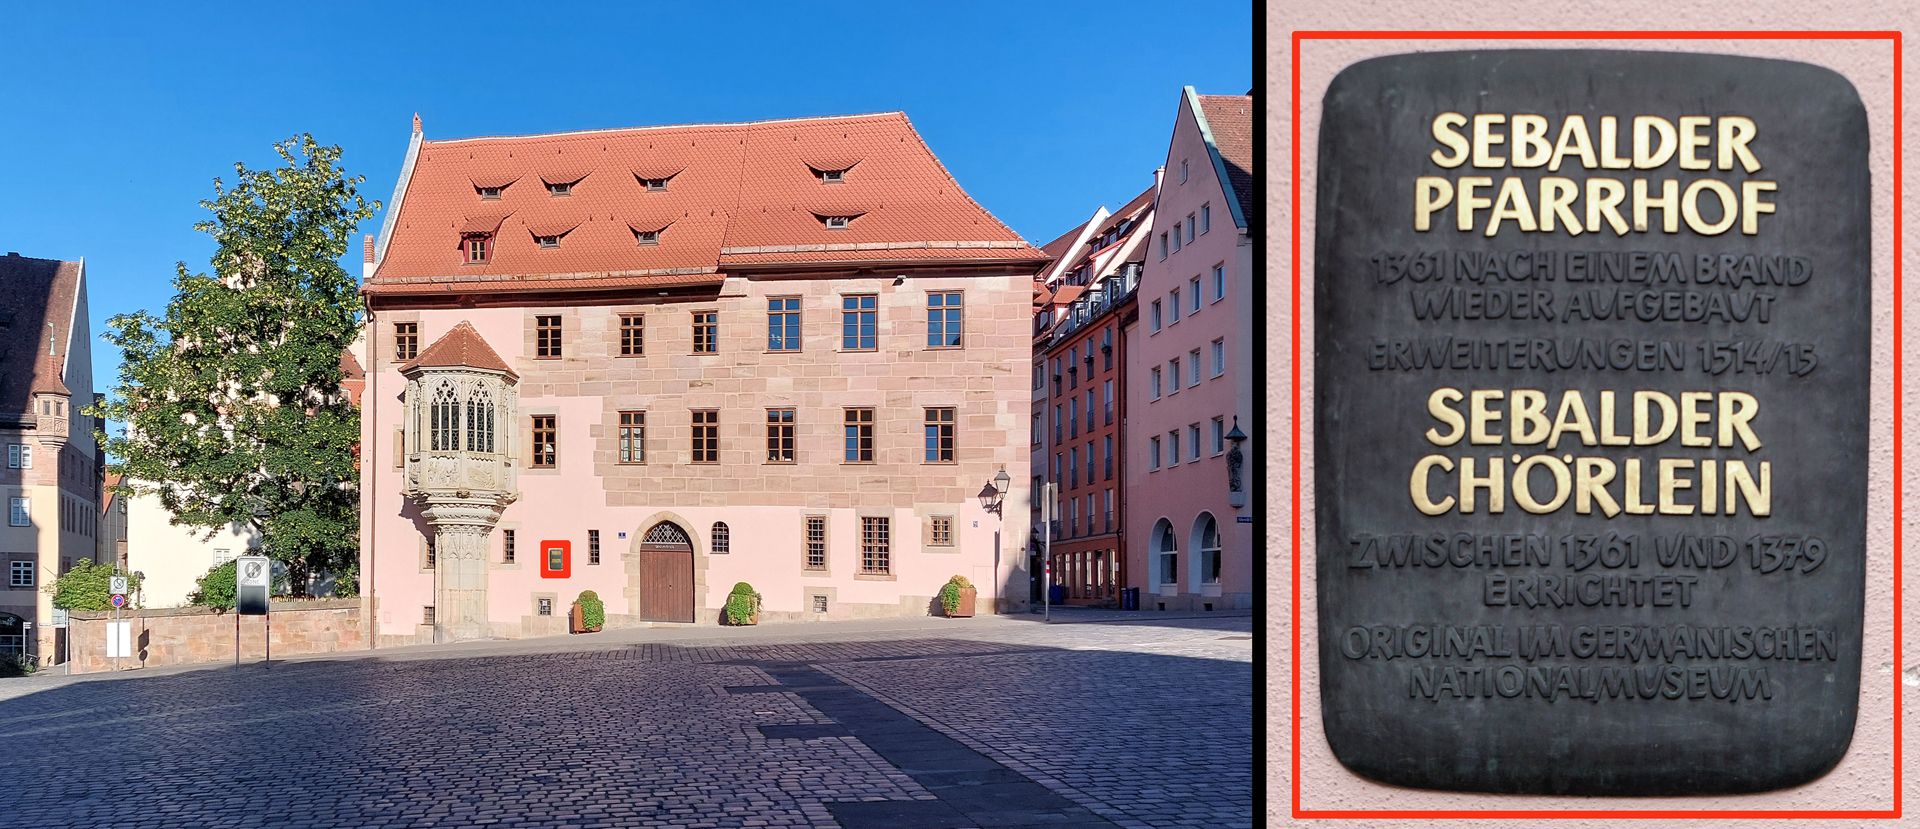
[(52, 475), (655, 362), (111, 545), (1190, 422), (1079, 388)]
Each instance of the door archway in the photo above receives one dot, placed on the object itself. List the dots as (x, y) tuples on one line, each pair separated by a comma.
[(666, 574)]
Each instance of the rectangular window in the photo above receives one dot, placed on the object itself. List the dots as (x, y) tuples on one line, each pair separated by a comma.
[(1219, 282), (546, 442), (1219, 357), (1039, 375), (706, 436), (1206, 218), (1073, 417), (1153, 384), (13, 455), (859, 322), (1190, 224), (1089, 410), (433, 554), (546, 337), (1193, 368), (1109, 519), (479, 246), (26, 456), (706, 332), (1193, 441), (20, 574), (1173, 447), (406, 341), (940, 425), (941, 533), (1217, 435), (1176, 237), (593, 546), (943, 319), (1153, 453), (876, 550), (1057, 423), (1057, 477), (780, 435), (22, 513), (426, 615), (1073, 467), (1037, 430), (1163, 247), (1173, 303), (633, 330), (816, 542), (1154, 317), (1193, 291), (1090, 462), (783, 323), (506, 546), (859, 436), (1173, 375), (545, 606), (1106, 403), (633, 437), (1106, 349), (1106, 457)]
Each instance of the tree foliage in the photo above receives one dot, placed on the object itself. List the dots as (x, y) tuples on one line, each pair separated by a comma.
[(219, 587), (88, 586), (232, 398)]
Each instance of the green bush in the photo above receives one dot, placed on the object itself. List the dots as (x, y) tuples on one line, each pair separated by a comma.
[(950, 593), (87, 587), (216, 589), (742, 603), (593, 611)]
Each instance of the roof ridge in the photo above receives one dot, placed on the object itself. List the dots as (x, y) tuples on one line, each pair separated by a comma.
[(711, 124)]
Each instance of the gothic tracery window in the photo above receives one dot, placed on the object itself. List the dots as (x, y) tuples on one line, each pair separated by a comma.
[(444, 419)]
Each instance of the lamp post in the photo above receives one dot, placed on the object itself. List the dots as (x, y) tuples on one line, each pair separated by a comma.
[(1236, 494), (993, 498)]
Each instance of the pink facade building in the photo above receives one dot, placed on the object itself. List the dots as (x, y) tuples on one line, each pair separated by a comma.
[(1190, 407), (655, 362)]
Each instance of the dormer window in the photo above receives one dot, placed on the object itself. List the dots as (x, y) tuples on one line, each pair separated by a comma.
[(647, 237), (654, 185), (547, 241), (479, 247), (837, 222), (832, 176), (490, 193), (564, 188)]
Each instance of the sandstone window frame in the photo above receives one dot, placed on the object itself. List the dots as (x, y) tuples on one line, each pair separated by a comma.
[(860, 312), (876, 545), (782, 427), (548, 337), (859, 445), (704, 433), (815, 554), (784, 324), (406, 340), (706, 331), (942, 433), (544, 455), (633, 334), (630, 437)]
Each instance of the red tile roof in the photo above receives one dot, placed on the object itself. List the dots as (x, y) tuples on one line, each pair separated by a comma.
[(460, 347), (36, 307), (738, 195), (1230, 119), (112, 479)]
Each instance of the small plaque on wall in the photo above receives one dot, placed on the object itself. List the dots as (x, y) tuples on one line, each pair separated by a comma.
[(1591, 420)]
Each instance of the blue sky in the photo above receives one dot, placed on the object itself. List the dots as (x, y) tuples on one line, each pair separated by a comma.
[(116, 122)]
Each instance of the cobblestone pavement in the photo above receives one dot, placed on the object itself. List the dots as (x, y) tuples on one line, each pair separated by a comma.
[(1139, 721)]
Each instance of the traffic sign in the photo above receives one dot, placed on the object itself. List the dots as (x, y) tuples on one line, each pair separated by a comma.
[(118, 584), (59, 617), (119, 600), (253, 579)]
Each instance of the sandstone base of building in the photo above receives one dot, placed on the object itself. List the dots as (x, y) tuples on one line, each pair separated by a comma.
[(1194, 603), (189, 635)]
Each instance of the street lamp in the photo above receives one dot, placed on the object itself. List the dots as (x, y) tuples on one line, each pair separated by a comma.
[(994, 494), (1236, 494)]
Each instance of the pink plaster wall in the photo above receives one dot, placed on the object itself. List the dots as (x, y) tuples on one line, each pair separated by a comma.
[(1864, 778)]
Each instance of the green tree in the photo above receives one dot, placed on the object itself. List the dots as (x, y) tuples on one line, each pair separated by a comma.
[(88, 586), (232, 399)]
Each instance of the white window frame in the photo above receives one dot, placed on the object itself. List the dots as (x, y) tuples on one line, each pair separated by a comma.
[(1219, 282), (1193, 442), (1206, 218), (1219, 356), (1193, 306), (1154, 387), (1193, 368), (16, 569), (1175, 296), (1219, 436), (1153, 453), (20, 512), (1154, 318)]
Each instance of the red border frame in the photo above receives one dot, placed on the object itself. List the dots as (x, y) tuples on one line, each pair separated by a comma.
[(1899, 387), (566, 559)]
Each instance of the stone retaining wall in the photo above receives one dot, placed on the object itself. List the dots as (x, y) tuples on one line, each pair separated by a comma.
[(187, 635)]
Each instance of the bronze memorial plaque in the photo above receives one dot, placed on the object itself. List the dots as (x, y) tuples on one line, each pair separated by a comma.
[(1591, 420)]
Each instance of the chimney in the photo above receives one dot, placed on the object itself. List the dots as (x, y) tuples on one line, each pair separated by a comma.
[(416, 122), (366, 266)]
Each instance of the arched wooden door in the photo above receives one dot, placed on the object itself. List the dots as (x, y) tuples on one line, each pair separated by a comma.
[(666, 574)]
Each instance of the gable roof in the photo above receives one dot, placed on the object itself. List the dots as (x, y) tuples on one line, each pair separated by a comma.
[(1226, 122), (738, 195), (107, 495), (37, 299), (461, 347)]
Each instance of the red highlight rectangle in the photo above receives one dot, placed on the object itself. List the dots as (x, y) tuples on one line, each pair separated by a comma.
[(1293, 354)]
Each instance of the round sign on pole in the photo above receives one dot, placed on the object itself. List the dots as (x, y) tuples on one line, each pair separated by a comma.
[(119, 600)]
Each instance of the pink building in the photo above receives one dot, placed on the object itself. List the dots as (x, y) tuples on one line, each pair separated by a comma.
[(655, 362), (1190, 390)]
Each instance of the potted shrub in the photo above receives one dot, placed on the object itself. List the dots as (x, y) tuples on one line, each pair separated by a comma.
[(589, 613), (957, 597), (743, 605)]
